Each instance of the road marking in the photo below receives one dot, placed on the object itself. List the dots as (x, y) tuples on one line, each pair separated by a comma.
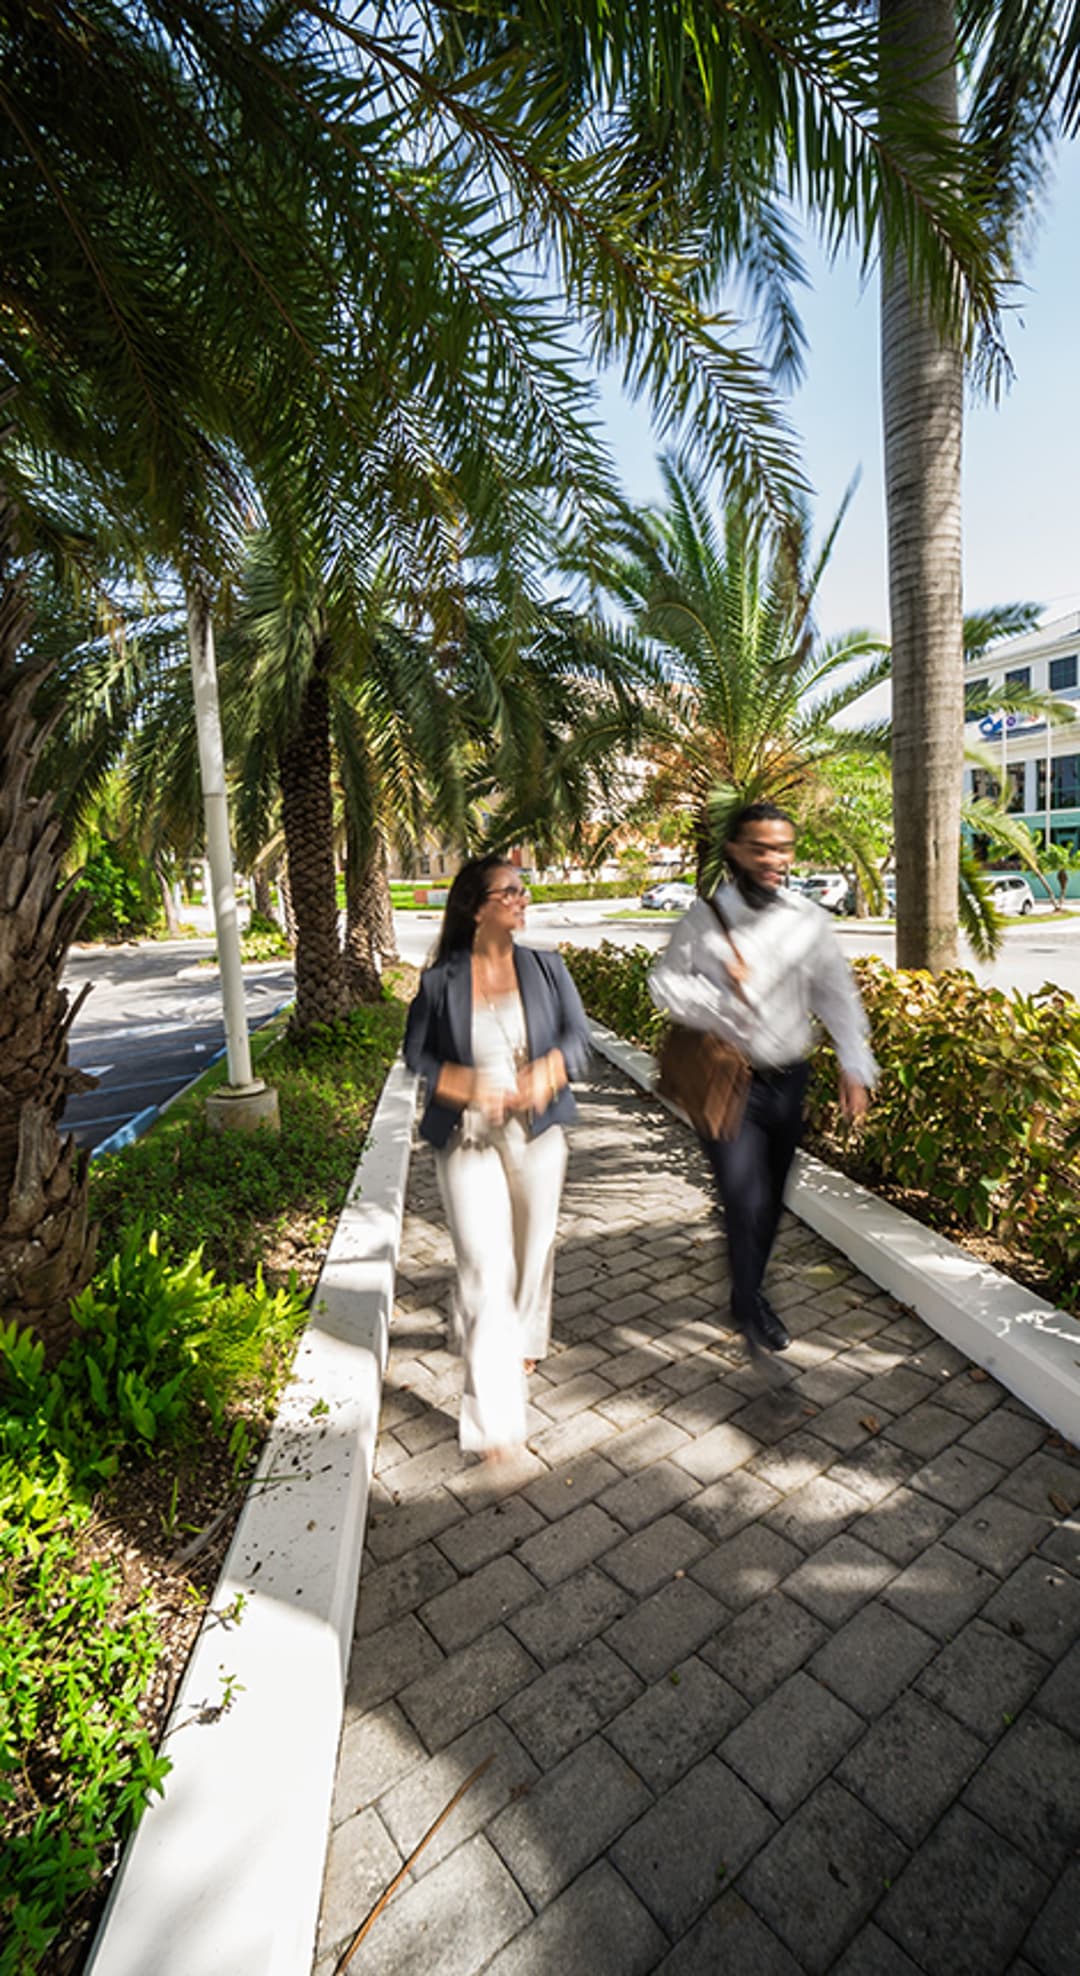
[(95, 1069)]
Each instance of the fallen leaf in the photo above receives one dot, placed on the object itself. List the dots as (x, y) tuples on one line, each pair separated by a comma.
[(1059, 1502), (871, 1423), (978, 1373)]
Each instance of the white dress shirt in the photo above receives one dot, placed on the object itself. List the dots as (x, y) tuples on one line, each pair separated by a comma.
[(795, 972)]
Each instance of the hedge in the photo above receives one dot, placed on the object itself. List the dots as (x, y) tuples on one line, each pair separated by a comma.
[(977, 1106)]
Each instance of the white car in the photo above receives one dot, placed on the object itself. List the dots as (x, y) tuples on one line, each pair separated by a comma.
[(1012, 894), (672, 897), (829, 889)]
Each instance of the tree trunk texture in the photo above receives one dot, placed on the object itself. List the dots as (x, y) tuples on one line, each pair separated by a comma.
[(46, 1248), (369, 922), (168, 902), (922, 404), (307, 813), (262, 897)]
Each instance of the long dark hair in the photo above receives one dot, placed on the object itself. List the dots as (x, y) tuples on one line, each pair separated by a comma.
[(467, 894)]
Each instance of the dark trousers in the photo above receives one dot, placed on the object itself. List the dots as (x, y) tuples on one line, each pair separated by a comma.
[(751, 1171)]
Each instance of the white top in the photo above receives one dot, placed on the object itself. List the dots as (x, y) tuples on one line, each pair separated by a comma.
[(499, 1047), (795, 971)]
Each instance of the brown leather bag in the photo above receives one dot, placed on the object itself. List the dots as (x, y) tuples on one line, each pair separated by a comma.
[(707, 1077)]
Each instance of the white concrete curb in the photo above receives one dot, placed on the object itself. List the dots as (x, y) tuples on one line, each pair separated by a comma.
[(1030, 1347), (224, 1874)]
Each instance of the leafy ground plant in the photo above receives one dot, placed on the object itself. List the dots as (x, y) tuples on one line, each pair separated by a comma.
[(122, 1467)]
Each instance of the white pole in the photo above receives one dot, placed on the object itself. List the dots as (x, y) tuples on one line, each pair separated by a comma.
[(218, 847)]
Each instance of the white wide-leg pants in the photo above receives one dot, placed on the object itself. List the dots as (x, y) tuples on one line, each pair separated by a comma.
[(502, 1207)]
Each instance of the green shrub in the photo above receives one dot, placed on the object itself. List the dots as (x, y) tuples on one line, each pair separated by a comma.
[(977, 1107), (121, 903)]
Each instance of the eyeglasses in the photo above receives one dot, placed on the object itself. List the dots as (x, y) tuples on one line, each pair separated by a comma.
[(508, 892)]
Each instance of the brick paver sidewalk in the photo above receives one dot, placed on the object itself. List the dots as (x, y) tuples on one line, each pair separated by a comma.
[(778, 1674)]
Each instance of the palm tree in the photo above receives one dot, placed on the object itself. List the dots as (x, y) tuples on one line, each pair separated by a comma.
[(746, 696)]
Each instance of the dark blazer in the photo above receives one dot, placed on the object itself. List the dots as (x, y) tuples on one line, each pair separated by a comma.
[(439, 1030)]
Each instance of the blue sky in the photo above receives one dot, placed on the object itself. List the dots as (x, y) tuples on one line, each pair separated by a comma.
[(1021, 459)]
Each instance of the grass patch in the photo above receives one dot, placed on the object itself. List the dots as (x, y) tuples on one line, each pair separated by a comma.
[(123, 1467)]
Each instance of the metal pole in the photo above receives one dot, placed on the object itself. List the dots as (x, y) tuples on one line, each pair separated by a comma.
[(218, 847)]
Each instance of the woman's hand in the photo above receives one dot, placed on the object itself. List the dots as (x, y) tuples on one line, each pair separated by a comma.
[(540, 1082), (460, 1085)]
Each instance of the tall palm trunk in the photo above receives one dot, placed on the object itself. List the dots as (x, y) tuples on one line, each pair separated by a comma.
[(307, 815), (922, 402), (370, 940), (46, 1250)]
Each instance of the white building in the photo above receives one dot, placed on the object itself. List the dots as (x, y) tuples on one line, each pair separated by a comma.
[(1038, 763)]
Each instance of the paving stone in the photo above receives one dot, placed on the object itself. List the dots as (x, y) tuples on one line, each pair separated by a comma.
[(689, 1375), (443, 1704), (875, 1361), (415, 1477), (773, 1415), (926, 1430), (705, 1407), (722, 1510), (567, 1440), (1042, 1477), (598, 1914), (675, 1722), (679, 1855), (909, 1331), (997, 1533), (393, 1530), (814, 1513), (639, 1367), (560, 1621), (377, 1749), (571, 1815), (663, 1629), (399, 1587), (559, 1550), (763, 1645), (852, 1325), (561, 1366), (962, 1905), (984, 1678), (1029, 1790), (791, 1463), (573, 1396), (903, 1525), (1062, 1545), (635, 1500), (839, 1578), (874, 1471), (747, 1566), (571, 1483), (650, 1441), (872, 1659), (475, 1540), (361, 1860), (1059, 1697), (570, 1702), (957, 1478), (648, 1559), (1039, 1604), (411, 1806), (475, 1604), (822, 1875), (825, 1385), (388, 1661), (842, 1423), (911, 1765), (940, 1360), (634, 1403), (729, 1937), (791, 1741), (452, 1921), (874, 1954), (1006, 1437), (426, 1432), (1053, 1945), (940, 1591)]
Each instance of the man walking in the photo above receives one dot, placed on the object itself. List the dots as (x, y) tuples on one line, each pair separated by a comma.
[(785, 968)]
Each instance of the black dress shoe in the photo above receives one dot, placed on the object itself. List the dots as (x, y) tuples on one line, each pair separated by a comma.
[(770, 1326)]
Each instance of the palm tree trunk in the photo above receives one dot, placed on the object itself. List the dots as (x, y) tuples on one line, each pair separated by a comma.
[(307, 815), (46, 1249), (922, 404), (168, 903), (370, 940), (262, 898)]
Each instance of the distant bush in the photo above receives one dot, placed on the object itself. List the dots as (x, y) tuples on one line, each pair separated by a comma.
[(977, 1107), (121, 903)]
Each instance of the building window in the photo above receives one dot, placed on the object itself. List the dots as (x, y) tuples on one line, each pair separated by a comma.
[(1015, 792), (1020, 676), (1063, 674), (974, 690), (1064, 784)]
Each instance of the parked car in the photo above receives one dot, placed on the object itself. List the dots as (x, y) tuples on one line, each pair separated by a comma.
[(830, 889), (1012, 894), (673, 896)]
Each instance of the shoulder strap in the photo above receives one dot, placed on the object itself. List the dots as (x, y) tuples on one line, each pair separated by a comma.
[(718, 909)]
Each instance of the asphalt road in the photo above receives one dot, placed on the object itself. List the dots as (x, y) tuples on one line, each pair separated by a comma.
[(152, 1020)]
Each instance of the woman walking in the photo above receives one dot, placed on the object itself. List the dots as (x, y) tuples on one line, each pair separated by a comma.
[(496, 1031)]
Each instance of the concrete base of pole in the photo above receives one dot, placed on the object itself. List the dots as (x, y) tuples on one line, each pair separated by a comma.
[(243, 1108)]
